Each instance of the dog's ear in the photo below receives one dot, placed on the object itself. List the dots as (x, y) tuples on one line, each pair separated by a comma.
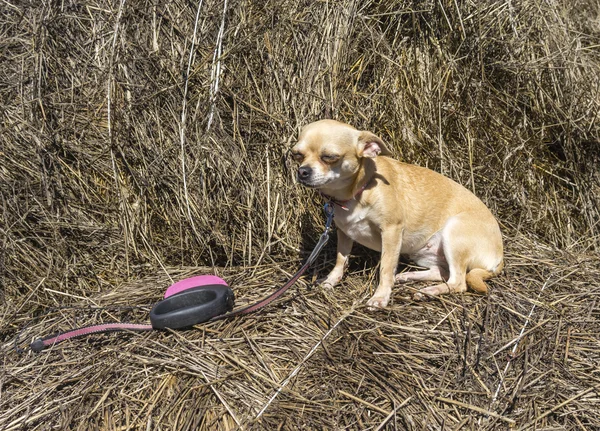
[(371, 145)]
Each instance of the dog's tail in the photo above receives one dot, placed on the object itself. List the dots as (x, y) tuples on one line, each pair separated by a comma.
[(476, 276)]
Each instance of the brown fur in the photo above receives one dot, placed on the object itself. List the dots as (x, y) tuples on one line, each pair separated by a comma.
[(402, 209)]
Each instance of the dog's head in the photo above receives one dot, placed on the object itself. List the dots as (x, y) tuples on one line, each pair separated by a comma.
[(329, 153)]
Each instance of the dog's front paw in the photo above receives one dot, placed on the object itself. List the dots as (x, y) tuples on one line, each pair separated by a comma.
[(325, 283), (378, 302), (330, 281)]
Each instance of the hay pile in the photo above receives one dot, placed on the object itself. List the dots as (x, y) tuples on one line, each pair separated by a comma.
[(143, 142)]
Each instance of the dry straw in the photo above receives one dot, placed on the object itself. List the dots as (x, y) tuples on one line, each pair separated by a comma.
[(143, 142)]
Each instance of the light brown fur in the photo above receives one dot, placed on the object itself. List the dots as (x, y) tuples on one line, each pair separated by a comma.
[(403, 209)]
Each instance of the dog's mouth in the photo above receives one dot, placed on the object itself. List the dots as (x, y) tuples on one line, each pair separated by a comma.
[(312, 182)]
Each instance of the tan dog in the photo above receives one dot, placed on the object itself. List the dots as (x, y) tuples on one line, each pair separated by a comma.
[(397, 208)]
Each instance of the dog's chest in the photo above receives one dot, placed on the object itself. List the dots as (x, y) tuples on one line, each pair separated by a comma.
[(355, 223)]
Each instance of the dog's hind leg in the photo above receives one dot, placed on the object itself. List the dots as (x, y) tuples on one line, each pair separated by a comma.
[(456, 247), (456, 283), (435, 273)]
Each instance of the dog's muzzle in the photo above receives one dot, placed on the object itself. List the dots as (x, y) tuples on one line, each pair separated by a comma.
[(304, 174)]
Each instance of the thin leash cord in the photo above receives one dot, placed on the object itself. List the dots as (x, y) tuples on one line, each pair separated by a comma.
[(316, 251)]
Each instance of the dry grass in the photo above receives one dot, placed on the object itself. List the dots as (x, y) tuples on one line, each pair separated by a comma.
[(146, 141)]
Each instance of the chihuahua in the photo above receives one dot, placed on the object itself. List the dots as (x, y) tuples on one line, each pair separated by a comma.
[(398, 209)]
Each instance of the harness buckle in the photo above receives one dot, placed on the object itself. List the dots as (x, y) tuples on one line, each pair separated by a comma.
[(329, 210)]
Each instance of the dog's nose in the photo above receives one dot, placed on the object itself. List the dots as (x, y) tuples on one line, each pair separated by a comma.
[(304, 172)]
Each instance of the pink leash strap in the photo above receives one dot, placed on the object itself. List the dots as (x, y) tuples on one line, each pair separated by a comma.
[(39, 345)]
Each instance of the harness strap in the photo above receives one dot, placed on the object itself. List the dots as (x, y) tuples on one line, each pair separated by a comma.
[(342, 204)]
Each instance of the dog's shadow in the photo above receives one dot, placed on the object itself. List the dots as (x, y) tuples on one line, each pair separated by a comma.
[(362, 260)]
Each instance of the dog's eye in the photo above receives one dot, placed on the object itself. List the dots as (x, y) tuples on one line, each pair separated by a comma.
[(330, 158), (298, 157)]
